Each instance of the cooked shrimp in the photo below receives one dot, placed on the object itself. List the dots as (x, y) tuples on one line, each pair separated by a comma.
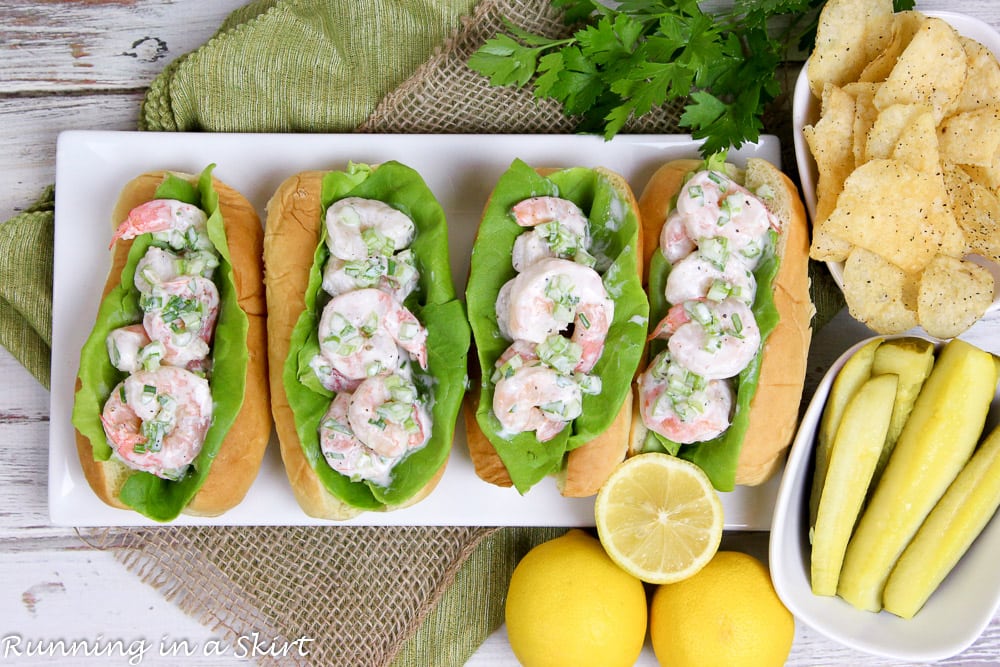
[(156, 421), (385, 415), (713, 206), (696, 277), (125, 345), (358, 228), (174, 222), (520, 353), (181, 314), (396, 274), (344, 452), (538, 210), (560, 230), (159, 265), (529, 247), (536, 398), (675, 244), (548, 297), (331, 378), (361, 332), (715, 340), (682, 406)]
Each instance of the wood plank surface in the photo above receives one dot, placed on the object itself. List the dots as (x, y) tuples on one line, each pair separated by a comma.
[(55, 46)]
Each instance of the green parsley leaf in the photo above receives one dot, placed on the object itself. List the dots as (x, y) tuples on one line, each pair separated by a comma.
[(620, 63)]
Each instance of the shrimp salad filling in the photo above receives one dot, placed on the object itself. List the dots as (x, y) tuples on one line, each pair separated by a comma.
[(156, 419), (554, 274), (718, 243), (369, 342), (556, 312)]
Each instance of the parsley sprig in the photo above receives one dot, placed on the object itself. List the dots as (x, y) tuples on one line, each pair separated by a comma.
[(623, 62)]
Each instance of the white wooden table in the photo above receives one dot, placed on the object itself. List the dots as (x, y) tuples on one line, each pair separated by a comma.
[(85, 65)]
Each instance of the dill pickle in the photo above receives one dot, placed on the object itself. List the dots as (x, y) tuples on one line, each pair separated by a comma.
[(849, 379), (937, 440), (912, 360), (853, 458), (949, 530)]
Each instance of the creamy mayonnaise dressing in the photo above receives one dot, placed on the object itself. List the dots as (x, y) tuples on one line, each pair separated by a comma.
[(556, 313), (713, 239), (156, 419), (369, 341)]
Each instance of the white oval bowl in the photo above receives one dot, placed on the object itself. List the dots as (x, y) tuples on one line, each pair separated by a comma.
[(805, 111), (952, 618)]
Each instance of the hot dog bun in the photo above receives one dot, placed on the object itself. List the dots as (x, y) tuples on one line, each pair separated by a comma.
[(294, 222), (775, 406), (585, 467), (292, 229), (236, 465)]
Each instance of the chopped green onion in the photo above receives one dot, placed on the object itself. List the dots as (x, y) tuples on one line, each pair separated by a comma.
[(719, 290), (716, 251), (560, 353)]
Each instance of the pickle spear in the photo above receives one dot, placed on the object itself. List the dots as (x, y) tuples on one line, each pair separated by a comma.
[(851, 376), (912, 360), (855, 453), (936, 442), (949, 530)]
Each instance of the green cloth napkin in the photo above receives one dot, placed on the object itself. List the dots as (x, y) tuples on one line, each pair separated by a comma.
[(299, 65), (26, 285)]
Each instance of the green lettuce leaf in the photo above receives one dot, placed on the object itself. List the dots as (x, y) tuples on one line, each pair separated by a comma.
[(615, 237), (719, 456), (433, 302), (156, 498)]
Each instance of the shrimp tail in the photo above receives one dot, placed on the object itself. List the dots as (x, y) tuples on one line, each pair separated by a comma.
[(149, 217), (121, 435), (666, 327)]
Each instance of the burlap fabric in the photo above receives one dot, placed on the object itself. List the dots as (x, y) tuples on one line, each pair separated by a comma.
[(361, 595)]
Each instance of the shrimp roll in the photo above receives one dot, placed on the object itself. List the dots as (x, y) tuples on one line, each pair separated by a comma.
[(726, 256), (559, 319), (367, 341), (171, 409)]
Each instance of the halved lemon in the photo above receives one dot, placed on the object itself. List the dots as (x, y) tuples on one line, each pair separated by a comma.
[(659, 518)]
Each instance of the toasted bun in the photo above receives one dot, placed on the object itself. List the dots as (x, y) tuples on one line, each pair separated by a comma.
[(238, 461), (293, 230), (586, 467), (774, 409)]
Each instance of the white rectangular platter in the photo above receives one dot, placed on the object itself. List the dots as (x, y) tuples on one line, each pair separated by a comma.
[(92, 167)]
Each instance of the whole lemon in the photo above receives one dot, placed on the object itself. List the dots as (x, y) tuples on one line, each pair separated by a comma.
[(726, 614), (569, 604)]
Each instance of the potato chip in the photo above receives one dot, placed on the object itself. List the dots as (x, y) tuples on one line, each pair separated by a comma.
[(977, 211), (982, 84), (988, 177), (918, 145), (831, 145), (865, 114), (971, 137), (850, 33), (908, 155), (931, 70), (954, 293), (874, 291), (888, 127), (894, 210), (826, 246), (904, 27)]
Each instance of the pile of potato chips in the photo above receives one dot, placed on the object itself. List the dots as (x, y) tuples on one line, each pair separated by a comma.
[(907, 149)]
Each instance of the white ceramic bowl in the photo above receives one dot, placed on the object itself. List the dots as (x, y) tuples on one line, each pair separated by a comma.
[(953, 617), (805, 111)]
